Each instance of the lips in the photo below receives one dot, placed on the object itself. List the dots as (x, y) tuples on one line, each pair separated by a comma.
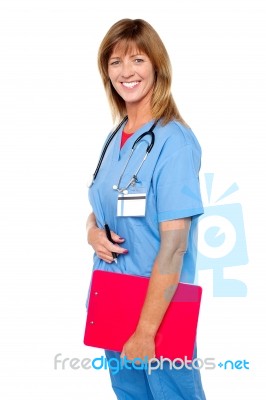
[(130, 85)]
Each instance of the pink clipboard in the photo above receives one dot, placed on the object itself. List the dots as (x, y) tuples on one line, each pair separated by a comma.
[(114, 308)]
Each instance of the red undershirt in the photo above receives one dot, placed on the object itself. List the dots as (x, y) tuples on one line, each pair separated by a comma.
[(124, 138)]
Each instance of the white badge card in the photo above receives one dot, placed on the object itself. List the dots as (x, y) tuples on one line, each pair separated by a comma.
[(131, 205)]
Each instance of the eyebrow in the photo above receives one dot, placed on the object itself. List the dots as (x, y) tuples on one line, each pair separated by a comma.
[(133, 55)]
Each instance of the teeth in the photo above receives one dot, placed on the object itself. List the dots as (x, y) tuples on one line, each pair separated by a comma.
[(130, 84)]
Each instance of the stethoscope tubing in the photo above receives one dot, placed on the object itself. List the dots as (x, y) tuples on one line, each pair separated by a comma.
[(148, 150), (106, 147)]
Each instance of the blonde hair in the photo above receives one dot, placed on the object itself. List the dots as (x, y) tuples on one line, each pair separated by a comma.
[(140, 34)]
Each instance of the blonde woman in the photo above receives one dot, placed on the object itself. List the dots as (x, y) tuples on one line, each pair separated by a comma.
[(153, 236)]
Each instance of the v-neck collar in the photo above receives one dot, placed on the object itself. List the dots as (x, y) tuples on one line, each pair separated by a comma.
[(119, 153)]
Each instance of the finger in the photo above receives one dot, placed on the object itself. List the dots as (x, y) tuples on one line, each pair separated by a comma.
[(123, 354), (114, 248), (152, 359), (107, 249), (107, 257), (116, 238)]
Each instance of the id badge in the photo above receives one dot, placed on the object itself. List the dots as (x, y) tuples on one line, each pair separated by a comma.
[(131, 205)]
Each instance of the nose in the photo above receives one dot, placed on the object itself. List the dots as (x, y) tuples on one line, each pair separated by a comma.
[(127, 70)]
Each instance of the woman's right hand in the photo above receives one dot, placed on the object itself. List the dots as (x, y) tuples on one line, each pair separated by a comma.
[(101, 245)]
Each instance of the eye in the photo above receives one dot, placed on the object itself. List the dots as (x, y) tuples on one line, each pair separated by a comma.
[(116, 62), (138, 60)]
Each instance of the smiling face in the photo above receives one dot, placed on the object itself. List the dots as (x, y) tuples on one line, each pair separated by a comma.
[(132, 75)]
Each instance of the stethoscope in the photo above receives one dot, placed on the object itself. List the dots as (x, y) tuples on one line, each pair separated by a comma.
[(134, 178)]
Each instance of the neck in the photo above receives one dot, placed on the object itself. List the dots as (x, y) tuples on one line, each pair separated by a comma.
[(137, 117)]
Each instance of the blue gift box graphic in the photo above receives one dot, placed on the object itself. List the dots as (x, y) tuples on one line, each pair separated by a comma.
[(221, 242)]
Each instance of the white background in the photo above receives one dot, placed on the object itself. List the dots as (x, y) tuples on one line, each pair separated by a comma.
[(54, 118)]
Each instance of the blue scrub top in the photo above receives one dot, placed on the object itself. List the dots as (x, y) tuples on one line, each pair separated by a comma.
[(169, 177)]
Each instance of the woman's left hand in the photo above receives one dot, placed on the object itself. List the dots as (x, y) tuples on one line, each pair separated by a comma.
[(139, 345)]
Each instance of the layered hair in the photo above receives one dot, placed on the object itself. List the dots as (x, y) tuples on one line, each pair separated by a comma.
[(138, 34)]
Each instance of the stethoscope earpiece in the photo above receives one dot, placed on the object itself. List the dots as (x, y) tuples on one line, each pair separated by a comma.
[(124, 191)]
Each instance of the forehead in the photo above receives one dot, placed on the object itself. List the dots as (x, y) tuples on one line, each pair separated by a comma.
[(124, 48)]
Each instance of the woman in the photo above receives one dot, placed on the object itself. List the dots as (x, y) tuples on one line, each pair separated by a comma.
[(152, 232)]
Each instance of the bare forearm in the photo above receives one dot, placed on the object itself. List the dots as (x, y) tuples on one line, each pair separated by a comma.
[(164, 278), (91, 223), (157, 301)]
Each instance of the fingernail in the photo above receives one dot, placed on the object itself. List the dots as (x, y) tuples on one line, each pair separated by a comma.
[(121, 238), (125, 251)]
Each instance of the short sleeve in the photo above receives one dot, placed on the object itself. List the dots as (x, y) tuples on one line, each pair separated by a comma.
[(176, 181)]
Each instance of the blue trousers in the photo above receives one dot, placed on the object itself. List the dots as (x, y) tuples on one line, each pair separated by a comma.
[(159, 384)]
